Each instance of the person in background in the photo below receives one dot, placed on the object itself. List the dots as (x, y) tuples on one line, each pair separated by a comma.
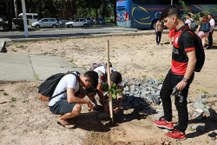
[(158, 31), (212, 27), (188, 20), (203, 29)]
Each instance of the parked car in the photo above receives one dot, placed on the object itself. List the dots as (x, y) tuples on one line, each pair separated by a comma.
[(62, 21), (79, 22), (90, 21), (46, 22), (100, 21), (31, 17), (4, 24)]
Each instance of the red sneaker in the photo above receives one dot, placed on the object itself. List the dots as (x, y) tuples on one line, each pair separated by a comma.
[(176, 134), (164, 124)]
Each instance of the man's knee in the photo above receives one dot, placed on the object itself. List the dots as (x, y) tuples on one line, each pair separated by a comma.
[(77, 109)]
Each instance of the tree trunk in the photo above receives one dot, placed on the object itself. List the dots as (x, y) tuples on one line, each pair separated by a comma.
[(96, 11), (104, 5), (115, 13), (9, 10), (15, 8), (39, 9)]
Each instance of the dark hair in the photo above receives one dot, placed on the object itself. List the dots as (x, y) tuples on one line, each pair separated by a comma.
[(189, 15), (110, 64), (116, 77), (211, 15), (93, 76), (170, 10), (202, 14)]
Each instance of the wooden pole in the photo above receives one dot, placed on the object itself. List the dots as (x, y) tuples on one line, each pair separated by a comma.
[(109, 81)]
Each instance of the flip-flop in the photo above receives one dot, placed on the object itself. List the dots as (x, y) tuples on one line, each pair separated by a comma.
[(70, 126)]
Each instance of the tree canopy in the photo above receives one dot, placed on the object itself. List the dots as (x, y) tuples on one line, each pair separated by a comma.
[(59, 8)]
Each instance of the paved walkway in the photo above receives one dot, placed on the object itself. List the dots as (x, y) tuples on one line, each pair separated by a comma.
[(17, 67)]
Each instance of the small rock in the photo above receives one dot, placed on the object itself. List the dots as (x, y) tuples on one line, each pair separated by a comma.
[(198, 104), (197, 116), (199, 110), (159, 115)]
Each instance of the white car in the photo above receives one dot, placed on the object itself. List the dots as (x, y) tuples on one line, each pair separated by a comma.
[(46, 22), (79, 22), (31, 17)]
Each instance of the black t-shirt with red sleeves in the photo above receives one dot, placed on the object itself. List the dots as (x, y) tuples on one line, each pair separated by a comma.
[(181, 46)]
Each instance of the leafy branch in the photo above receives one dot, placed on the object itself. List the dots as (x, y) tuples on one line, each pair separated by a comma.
[(115, 91)]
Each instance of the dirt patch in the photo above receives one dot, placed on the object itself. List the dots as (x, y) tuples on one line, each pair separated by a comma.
[(26, 120)]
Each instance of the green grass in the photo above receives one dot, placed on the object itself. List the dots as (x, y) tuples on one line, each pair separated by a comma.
[(20, 46), (203, 91), (161, 78), (5, 93), (13, 100), (37, 77)]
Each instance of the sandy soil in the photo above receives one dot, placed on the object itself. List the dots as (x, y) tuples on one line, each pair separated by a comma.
[(26, 120)]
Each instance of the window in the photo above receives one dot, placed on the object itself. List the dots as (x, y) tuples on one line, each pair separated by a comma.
[(35, 17), (121, 8), (44, 20), (51, 20), (29, 16), (200, 2), (152, 2), (168, 2)]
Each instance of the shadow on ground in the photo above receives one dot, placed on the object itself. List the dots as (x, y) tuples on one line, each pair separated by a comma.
[(98, 121)]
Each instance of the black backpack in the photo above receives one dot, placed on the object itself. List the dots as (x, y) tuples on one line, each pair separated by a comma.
[(199, 50), (47, 87)]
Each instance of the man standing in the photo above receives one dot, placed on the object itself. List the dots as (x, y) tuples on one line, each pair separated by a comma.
[(179, 76), (188, 20), (158, 31), (212, 26)]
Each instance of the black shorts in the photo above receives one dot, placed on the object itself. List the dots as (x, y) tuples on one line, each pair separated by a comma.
[(62, 107)]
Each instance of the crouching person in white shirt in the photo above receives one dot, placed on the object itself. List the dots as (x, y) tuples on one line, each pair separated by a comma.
[(68, 104)]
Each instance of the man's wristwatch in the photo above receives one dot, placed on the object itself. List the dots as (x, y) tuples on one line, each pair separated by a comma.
[(185, 79)]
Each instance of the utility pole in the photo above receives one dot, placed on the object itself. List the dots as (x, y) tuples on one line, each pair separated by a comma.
[(26, 32)]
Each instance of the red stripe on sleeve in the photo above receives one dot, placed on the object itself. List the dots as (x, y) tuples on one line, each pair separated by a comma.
[(189, 49)]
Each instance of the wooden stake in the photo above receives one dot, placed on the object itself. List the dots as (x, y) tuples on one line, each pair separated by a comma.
[(109, 82)]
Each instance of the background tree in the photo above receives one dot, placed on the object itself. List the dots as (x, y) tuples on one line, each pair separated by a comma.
[(9, 12)]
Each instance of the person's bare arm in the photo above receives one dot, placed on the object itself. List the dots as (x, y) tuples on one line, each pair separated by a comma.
[(119, 102), (198, 29), (100, 93), (71, 98), (190, 69)]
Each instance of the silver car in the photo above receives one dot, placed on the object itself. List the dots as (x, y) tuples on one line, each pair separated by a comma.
[(46, 22), (79, 22)]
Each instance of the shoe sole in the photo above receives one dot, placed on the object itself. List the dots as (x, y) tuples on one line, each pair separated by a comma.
[(164, 127), (180, 139)]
